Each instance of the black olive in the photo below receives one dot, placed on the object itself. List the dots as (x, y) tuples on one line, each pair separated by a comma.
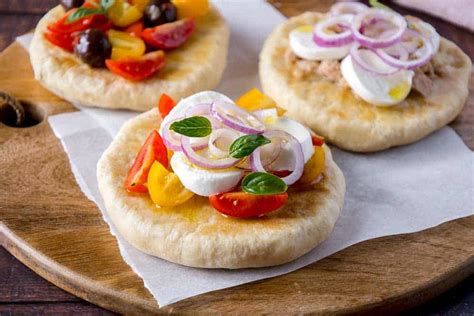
[(93, 47), (159, 12), (70, 4)]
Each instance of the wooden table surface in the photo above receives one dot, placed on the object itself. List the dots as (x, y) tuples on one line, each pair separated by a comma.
[(24, 292)]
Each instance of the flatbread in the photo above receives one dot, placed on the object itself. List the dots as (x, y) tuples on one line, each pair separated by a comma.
[(194, 234), (349, 122), (195, 66)]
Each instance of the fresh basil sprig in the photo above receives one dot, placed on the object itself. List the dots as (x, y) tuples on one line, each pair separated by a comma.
[(195, 126), (378, 5), (245, 145), (84, 12), (262, 183)]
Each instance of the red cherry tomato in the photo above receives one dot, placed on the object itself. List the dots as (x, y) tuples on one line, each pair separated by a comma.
[(165, 105), (153, 149), (137, 68), (135, 29), (245, 205), (90, 21), (317, 140), (65, 41), (169, 35)]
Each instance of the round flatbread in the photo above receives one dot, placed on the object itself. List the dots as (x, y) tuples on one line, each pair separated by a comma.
[(194, 234), (195, 66), (347, 121)]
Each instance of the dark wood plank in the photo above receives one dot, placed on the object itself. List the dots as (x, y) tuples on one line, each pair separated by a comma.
[(80, 308), (15, 25), (26, 6)]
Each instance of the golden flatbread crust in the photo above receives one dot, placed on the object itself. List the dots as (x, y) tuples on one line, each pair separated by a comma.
[(194, 234), (197, 65), (351, 123)]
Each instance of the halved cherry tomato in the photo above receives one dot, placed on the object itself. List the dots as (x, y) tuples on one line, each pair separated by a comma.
[(165, 105), (169, 35), (245, 205), (137, 68), (314, 166), (91, 4), (191, 8), (91, 21), (122, 13), (135, 29), (165, 188), (125, 45), (152, 150), (317, 140), (254, 100), (65, 41)]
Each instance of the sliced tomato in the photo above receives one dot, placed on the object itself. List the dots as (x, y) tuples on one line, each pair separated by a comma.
[(169, 35), (317, 140), (245, 205), (65, 41), (135, 29), (137, 68), (152, 150), (281, 173), (90, 21), (165, 105)]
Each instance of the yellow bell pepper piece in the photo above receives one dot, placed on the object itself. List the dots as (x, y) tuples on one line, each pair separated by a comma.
[(140, 4), (125, 45), (191, 8), (254, 100), (122, 13), (314, 166), (165, 188)]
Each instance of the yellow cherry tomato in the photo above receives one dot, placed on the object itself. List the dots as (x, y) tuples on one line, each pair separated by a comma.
[(122, 13), (254, 100), (140, 4), (191, 8), (314, 167), (165, 188), (125, 45)]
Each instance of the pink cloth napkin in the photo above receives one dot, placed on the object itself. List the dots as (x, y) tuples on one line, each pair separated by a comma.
[(460, 12)]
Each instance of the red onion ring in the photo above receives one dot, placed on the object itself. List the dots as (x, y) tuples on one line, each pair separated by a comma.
[(215, 136), (424, 55), (297, 172), (323, 39), (268, 154), (359, 60), (347, 8), (371, 42), (236, 118), (205, 162)]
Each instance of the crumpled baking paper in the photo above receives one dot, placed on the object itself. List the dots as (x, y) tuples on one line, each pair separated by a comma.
[(396, 191)]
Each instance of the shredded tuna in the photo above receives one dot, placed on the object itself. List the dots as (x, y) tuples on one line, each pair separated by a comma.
[(422, 83), (330, 69)]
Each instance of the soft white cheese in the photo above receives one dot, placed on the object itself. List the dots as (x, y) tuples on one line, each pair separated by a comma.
[(381, 90)]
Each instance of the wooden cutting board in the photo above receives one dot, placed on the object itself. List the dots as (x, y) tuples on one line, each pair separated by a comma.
[(48, 224)]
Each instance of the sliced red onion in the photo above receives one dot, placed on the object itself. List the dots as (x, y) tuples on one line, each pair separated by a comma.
[(266, 113), (379, 14), (324, 39), (421, 56), (216, 135), (172, 140), (347, 8), (297, 172), (205, 162), (268, 154), (424, 29), (198, 109), (236, 118), (357, 57)]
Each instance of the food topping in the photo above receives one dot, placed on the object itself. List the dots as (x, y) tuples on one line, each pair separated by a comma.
[(379, 47), (159, 12), (112, 33), (93, 47)]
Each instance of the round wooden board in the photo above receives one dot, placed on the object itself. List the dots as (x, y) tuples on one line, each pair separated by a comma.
[(48, 224)]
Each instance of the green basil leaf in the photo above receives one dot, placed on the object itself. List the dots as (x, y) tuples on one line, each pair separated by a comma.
[(82, 13), (378, 5), (195, 126), (262, 183), (245, 145), (106, 4)]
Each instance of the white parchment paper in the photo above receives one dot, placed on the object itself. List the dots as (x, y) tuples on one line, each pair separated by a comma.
[(397, 191)]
